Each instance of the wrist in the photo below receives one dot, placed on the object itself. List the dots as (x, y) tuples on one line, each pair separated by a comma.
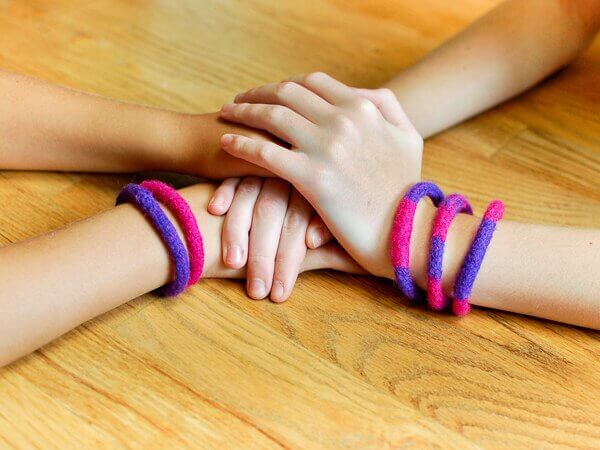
[(168, 143), (194, 147)]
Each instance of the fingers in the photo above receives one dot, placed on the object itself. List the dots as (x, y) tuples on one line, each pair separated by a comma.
[(279, 160), (278, 120), (387, 103), (223, 196), (267, 222), (292, 247), (238, 222), (294, 96), (327, 87), (317, 233)]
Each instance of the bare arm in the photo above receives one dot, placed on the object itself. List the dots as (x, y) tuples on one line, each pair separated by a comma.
[(48, 127), (543, 271), (549, 272), (53, 283), (504, 53)]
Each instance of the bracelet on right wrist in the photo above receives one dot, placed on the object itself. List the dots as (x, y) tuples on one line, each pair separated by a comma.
[(448, 208)]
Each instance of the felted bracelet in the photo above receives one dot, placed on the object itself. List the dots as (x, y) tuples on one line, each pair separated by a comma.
[(472, 263), (447, 211), (147, 204), (402, 231), (189, 225)]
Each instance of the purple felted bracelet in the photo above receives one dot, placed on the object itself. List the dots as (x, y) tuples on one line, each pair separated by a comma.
[(472, 263), (402, 231), (187, 221), (147, 204), (449, 208)]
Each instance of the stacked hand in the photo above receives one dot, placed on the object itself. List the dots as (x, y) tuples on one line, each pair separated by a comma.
[(351, 155)]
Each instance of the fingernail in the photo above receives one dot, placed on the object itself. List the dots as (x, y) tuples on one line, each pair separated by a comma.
[(278, 291), (226, 107), (234, 255), (237, 97), (317, 237), (257, 288), (227, 139)]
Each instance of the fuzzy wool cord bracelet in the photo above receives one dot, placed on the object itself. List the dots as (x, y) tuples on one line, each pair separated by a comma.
[(402, 231), (472, 263), (447, 211), (448, 208), (149, 206), (169, 197)]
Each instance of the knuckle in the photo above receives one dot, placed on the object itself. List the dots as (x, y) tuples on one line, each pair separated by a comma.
[(343, 124), (386, 95), (267, 207), (259, 258), (315, 77), (295, 221), (284, 90), (263, 153), (363, 106), (273, 113), (284, 260), (248, 186), (242, 108)]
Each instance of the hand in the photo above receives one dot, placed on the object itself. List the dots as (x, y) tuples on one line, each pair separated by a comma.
[(330, 256), (346, 159), (317, 233), (265, 226)]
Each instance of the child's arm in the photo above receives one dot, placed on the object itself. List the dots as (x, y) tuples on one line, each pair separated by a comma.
[(353, 166), (502, 54), (52, 283), (48, 127), (543, 271)]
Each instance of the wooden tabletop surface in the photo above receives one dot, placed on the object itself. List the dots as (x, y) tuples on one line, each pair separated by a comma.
[(344, 363)]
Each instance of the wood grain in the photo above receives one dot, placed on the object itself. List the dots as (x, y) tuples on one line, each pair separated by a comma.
[(344, 363)]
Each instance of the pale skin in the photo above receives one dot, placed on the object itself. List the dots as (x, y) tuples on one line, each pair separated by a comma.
[(482, 66), (116, 256), (548, 272), (97, 264), (95, 134)]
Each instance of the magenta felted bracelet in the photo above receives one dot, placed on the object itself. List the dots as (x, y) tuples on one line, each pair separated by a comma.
[(402, 231), (187, 221), (447, 211), (147, 204)]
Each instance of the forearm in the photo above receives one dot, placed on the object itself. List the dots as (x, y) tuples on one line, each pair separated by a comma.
[(48, 127), (542, 271), (53, 283), (499, 56)]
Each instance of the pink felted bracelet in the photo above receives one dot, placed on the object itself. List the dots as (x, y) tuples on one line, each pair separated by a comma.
[(169, 197), (447, 211), (402, 228)]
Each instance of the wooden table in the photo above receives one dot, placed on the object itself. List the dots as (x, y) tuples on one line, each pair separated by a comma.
[(344, 363)]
